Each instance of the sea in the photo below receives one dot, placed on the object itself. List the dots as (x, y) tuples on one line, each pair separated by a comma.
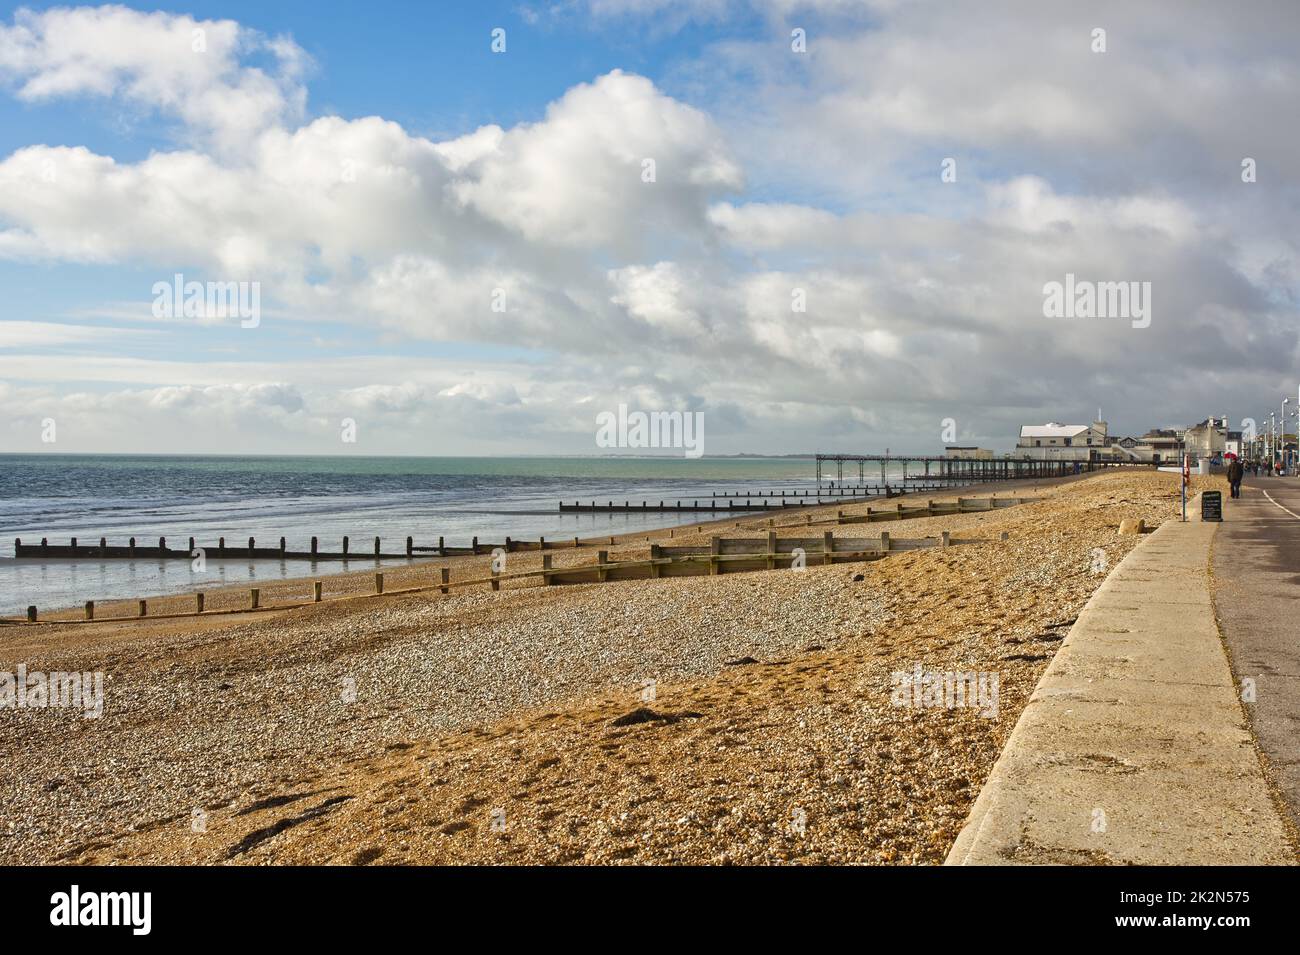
[(60, 496)]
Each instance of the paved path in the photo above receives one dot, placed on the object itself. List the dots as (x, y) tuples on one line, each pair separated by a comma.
[(1134, 748), (1257, 596)]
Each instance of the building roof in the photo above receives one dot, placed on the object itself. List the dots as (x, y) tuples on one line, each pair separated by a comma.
[(1052, 430)]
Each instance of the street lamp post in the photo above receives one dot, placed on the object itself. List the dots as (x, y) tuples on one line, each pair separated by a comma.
[(1272, 440), (1282, 437)]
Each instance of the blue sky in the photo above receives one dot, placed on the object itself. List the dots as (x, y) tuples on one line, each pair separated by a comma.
[(782, 175)]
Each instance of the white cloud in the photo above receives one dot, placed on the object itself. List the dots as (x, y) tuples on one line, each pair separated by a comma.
[(923, 298), (189, 69), (576, 178)]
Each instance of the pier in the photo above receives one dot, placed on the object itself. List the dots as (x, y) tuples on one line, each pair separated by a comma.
[(950, 470)]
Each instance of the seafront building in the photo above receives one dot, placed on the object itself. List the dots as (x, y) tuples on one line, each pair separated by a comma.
[(1066, 442)]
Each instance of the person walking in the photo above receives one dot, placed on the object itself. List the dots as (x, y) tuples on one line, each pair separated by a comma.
[(1235, 473)]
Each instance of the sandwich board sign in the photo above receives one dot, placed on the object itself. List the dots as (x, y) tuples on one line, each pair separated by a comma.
[(1212, 506)]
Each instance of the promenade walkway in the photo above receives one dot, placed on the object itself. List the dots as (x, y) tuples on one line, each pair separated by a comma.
[(1134, 748), (1257, 596)]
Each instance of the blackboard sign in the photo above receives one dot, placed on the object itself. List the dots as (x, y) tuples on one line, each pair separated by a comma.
[(1212, 506)]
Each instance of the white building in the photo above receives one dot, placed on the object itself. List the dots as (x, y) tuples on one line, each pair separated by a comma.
[(1069, 442)]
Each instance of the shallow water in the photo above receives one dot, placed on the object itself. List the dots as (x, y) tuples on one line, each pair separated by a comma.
[(120, 496)]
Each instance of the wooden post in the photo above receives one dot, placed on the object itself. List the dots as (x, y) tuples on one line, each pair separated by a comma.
[(90, 610), (313, 548), (929, 508), (541, 543), (546, 565), (221, 546), (345, 548), (376, 546), (251, 544), (442, 550), (282, 548), (198, 603), (474, 544), (771, 550), (509, 544), (31, 613), (409, 545), (655, 553), (103, 547), (1004, 536), (191, 544), (715, 550), (254, 595), (73, 545), (315, 591), (884, 542), (446, 579), (131, 546), (144, 608), (496, 577), (379, 583), (575, 542), (946, 539), (828, 548)]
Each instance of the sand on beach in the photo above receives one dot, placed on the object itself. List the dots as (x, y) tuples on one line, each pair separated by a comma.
[(742, 718)]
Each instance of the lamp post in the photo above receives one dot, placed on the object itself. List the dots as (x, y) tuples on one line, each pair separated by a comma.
[(1272, 441), (1282, 437)]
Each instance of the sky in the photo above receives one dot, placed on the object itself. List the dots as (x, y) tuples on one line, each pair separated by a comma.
[(475, 228)]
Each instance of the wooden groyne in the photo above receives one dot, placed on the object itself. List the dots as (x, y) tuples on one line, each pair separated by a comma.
[(963, 505), (720, 555), (707, 506), (834, 491), (75, 550)]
